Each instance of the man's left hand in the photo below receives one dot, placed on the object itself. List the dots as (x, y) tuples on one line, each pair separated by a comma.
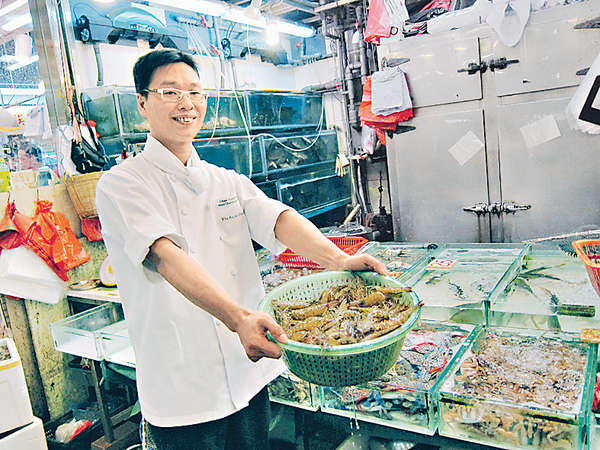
[(364, 262)]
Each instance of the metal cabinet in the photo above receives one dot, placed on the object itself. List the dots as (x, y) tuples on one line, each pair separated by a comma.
[(517, 170)]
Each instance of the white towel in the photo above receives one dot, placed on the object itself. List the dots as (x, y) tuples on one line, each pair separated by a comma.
[(389, 91)]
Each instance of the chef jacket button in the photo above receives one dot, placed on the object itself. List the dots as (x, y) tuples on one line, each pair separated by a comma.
[(233, 273), (220, 237), (184, 212)]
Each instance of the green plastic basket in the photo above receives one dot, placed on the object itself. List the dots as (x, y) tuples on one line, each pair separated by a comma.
[(340, 365)]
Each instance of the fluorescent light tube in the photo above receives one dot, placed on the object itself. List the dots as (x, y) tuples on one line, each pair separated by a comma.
[(13, 6), (293, 29), (198, 6), (17, 22), (23, 63)]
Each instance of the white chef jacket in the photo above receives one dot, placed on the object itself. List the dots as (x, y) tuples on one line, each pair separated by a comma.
[(190, 367)]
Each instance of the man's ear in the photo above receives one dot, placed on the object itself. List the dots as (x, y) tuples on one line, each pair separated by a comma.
[(141, 102)]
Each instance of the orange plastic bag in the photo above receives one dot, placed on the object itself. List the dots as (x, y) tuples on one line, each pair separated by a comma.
[(66, 251), (32, 239), (378, 22), (10, 237)]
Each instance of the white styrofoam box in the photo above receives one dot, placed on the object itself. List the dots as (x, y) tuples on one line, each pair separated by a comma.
[(15, 407), (24, 274), (31, 437)]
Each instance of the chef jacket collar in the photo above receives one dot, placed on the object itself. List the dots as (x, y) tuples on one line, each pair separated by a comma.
[(165, 160)]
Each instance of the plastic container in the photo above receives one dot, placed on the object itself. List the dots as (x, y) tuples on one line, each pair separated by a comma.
[(349, 244), (115, 344), (550, 290), (405, 397), (15, 408), (79, 334), (288, 389), (475, 273), (529, 389), (399, 257), (340, 365), (588, 251)]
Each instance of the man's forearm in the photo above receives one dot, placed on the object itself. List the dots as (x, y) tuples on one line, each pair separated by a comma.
[(302, 236), (187, 276)]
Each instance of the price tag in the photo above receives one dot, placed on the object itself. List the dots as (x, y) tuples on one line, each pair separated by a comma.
[(441, 264), (591, 335)]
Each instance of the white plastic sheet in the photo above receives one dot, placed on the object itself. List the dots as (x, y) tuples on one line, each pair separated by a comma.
[(581, 95)]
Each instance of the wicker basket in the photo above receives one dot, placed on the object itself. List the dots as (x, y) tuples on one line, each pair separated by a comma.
[(340, 365), (82, 190)]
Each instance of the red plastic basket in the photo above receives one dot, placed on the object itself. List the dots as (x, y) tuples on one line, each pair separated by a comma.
[(588, 251), (348, 244)]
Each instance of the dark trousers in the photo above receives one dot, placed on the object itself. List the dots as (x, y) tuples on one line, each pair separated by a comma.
[(247, 429)]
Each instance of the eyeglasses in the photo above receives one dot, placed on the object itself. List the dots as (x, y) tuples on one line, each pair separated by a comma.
[(173, 95)]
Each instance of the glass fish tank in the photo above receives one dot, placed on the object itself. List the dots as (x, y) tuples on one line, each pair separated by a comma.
[(100, 106), (269, 188), (288, 389), (231, 153), (399, 257), (457, 284), (405, 396), (283, 110), (519, 389), (115, 111), (224, 114), (312, 195), (131, 119), (285, 153), (550, 290)]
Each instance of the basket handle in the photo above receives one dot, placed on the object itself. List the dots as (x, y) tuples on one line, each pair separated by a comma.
[(270, 337)]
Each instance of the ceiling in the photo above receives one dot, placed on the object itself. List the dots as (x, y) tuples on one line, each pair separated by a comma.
[(13, 19)]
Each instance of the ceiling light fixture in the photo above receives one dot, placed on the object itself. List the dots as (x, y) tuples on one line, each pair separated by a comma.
[(13, 6), (248, 16), (17, 22), (199, 6)]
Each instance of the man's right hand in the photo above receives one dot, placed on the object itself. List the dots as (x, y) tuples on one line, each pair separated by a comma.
[(252, 328)]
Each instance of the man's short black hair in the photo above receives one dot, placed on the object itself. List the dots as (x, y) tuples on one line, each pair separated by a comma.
[(147, 64)]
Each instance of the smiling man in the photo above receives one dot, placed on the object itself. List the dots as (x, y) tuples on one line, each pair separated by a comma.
[(179, 234)]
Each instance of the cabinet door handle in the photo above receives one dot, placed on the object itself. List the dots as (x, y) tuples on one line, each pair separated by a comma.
[(501, 63), (473, 68), (582, 71)]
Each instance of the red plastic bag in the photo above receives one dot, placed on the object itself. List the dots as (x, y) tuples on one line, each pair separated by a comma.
[(378, 22), (375, 121), (91, 229), (10, 237), (66, 251)]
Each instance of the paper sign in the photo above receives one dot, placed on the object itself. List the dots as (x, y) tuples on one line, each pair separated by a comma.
[(438, 264), (466, 147), (591, 335), (540, 131)]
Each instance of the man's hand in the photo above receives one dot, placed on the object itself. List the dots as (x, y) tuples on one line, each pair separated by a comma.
[(252, 329), (357, 263)]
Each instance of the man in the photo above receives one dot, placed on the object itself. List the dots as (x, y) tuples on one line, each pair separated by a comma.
[(179, 234)]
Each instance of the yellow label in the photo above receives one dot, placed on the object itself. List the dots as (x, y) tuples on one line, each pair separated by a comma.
[(10, 365)]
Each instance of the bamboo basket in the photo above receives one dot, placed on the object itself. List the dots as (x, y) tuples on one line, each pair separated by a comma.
[(82, 191)]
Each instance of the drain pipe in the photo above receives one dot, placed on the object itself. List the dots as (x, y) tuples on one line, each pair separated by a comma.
[(100, 81), (364, 63)]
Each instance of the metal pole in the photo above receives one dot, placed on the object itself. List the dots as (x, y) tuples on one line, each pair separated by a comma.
[(109, 434)]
